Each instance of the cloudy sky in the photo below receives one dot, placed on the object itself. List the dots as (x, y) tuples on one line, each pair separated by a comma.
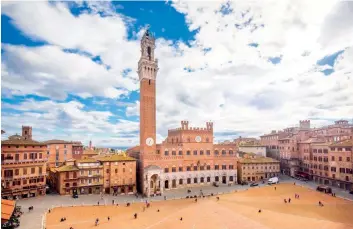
[(69, 68)]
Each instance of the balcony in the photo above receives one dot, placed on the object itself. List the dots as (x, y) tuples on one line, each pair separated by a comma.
[(9, 161), (91, 176)]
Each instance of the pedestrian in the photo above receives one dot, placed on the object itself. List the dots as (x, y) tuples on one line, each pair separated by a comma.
[(275, 188), (98, 203), (259, 210), (108, 218), (289, 200), (135, 215), (97, 221)]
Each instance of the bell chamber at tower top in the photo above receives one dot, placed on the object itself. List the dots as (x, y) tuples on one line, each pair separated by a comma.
[(148, 65)]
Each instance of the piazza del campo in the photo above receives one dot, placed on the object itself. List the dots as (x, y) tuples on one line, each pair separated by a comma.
[(296, 177)]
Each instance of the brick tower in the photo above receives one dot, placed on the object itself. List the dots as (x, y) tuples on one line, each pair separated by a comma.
[(147, 71), (27, 132)]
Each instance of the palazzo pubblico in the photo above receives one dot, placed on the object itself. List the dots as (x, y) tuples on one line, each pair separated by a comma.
[(187, 157)]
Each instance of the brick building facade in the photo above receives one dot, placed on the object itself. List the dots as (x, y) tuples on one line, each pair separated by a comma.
[(23, 166), (253, 167), (119, 173), (77, 150), (109, 174), (58, 151), (321, 154)]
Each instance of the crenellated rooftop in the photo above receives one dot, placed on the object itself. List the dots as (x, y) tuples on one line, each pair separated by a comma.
[(185, 126)]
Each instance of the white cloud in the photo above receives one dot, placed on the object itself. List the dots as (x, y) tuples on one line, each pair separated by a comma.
[(233, 84), (69, 121), (49, 71)]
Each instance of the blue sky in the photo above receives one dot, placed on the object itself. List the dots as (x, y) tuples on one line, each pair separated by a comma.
[(70, 72)]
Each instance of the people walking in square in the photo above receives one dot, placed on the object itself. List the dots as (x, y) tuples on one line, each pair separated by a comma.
[(97, 221)]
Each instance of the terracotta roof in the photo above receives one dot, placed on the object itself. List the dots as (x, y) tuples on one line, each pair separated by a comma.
[(87, 160), (19, 140), (257, 160), (56, 141), (90, 151), (7, 208), (343, 143), (116, 157), (67, 168)]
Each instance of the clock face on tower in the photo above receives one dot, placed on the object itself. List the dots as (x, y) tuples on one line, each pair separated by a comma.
[(149, 141), (198, 139)]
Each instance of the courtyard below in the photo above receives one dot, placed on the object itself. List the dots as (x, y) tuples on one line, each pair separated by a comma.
[(235, 210)]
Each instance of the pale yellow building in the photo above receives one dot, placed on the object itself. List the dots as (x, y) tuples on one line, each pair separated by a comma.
[(255, 168)]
